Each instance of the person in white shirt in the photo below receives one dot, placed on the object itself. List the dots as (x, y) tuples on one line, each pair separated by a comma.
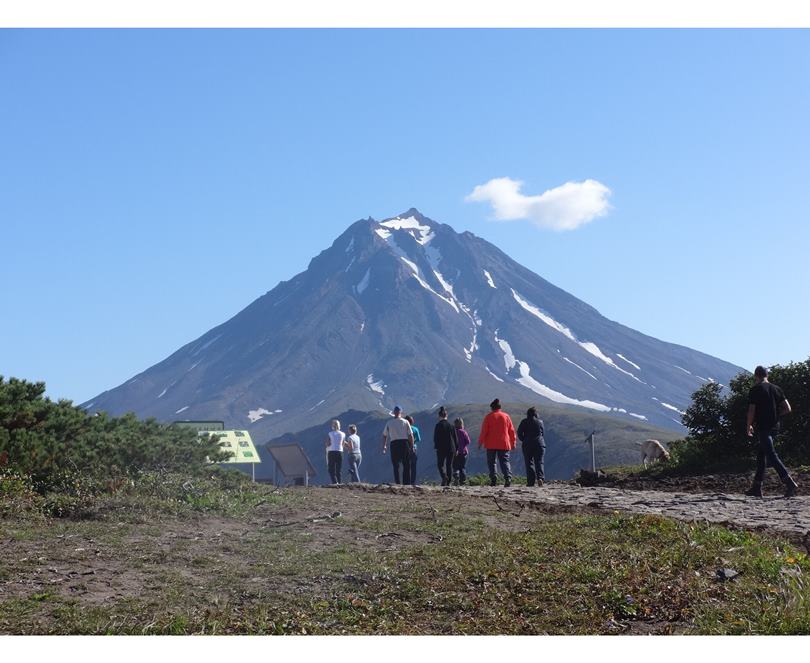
[(398, 433), (352, 446), (334, 451)]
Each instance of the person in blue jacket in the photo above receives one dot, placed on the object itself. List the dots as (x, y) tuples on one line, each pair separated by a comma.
[(417, 438)]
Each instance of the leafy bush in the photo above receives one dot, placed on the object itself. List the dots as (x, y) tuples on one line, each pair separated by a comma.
[(716, 420), (64, 449), (17, 493)]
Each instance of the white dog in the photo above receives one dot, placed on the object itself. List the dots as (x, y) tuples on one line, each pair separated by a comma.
[(653, 450)]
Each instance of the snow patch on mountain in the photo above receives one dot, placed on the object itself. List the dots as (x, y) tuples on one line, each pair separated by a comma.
[(410, 264), (636, 366), (551, 322), (668, 406), (351, 245), (422, 233), (375, 386), (416, 273), (468, 352), (638, 416), (182, 409), (508, 355), (580, 368), (427, 286), (434, 257), (169, 386), (360, 287), (493, 374), (447, 287), (255, 415), (588, 346), (488, 277), (529, 382)]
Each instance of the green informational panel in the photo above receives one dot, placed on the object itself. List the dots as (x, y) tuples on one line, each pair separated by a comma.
[(238, 442)]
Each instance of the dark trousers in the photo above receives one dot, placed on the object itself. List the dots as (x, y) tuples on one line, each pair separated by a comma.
[(459, 464), (412, 456), (354, 465), (401, 454), (444, 459), (533, 455), (334, 461), (767, 452), (503, 458)]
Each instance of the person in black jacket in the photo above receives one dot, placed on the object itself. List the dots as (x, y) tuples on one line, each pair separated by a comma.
[(531, 433), (445, 443)]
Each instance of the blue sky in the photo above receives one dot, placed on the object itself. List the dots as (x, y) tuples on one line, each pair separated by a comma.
[(154, 183)]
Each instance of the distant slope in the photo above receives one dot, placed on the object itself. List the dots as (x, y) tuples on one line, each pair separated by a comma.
[(566, 430)]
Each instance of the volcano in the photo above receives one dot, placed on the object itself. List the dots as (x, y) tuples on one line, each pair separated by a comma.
[(407, 311)]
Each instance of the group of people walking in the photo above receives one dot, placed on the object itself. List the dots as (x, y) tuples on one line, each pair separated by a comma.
[(451, 442), (402, 439)]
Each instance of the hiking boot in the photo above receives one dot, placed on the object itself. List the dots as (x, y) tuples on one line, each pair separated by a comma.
[(790, 487), (755, 490), (493, 483), (540, 483), (507, 483)]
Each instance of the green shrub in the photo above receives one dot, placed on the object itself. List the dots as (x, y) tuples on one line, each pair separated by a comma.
[(60, 445), (716, 420)]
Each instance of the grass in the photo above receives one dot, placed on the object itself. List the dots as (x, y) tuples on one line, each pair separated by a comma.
[(262, 561)]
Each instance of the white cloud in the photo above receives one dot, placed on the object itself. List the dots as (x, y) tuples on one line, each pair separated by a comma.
[(565, 207)]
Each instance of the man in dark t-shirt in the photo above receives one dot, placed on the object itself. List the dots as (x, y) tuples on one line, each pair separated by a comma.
[(766, 403), (446, 444)]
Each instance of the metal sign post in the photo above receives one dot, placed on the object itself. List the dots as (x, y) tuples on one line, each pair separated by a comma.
[(592, 439)]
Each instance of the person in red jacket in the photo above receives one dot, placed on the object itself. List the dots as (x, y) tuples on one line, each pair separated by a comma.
[(498, 438)]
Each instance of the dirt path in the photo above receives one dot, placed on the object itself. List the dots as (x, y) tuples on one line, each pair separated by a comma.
[(787, 517)]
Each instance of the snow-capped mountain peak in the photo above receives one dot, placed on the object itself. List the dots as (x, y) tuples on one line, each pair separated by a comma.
[(408, 311)]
